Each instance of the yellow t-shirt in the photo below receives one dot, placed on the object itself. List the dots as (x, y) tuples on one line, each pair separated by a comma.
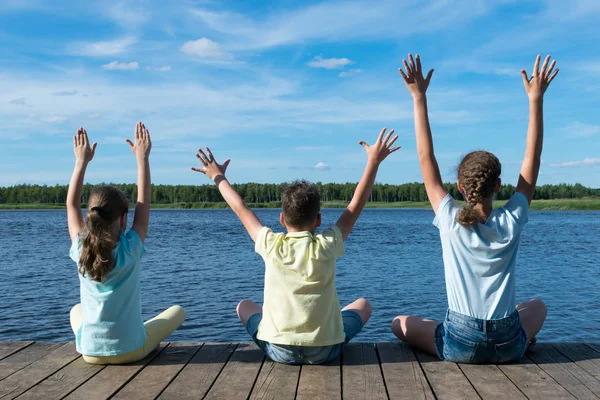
[(301, 305)]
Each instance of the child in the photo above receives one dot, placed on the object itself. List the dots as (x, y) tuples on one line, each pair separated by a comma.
[(300, 322), (108, 323), (479, 244)]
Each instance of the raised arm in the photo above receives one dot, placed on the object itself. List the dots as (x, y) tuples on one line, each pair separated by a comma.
[(375, 155), (141, 148), (83, 155), (216, 173), (417, 86), (535, 87)]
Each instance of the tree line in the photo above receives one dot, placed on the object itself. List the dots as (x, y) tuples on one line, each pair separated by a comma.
[(259, 193)]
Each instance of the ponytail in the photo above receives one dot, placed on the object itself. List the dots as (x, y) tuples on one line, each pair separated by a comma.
[(107, 205)]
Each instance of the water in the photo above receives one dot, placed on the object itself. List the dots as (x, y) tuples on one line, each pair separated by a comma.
[(204, 261)]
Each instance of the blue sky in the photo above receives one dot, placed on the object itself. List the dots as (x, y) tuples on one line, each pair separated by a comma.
[(287, 89)]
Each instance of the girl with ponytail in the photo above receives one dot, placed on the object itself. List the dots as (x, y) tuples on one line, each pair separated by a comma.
[(108, 323), (483, 323)]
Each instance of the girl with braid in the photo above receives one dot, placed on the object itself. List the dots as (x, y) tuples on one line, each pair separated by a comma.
[(483, 323)]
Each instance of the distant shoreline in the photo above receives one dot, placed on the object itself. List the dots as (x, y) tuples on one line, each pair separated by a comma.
[(556, 204)]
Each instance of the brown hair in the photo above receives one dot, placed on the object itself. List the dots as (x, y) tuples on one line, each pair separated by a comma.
[(478, 174), (301, 203), (105, 205)]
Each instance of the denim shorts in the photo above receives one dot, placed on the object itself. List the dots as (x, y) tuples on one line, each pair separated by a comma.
[(465, 339), (305, 354)]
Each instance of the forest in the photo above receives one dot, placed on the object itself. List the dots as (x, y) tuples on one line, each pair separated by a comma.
[(258, 193)]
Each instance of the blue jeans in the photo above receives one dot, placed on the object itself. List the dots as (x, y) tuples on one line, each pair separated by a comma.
[(305, 354), (465, 339)]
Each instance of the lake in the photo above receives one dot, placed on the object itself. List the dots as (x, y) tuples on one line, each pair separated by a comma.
[(204, 261)]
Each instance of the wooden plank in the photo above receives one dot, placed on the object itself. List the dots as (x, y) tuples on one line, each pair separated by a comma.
[(568, 374), (10, 348), (490, 382), (111, 379), (533, 381), (157, 375), (63, 382), (361, 374), (276, 381), (37, 371), (320, 382), (594, 346), (582, 355), (25, 357), (238, 377), (446, 378), (402, 373), (194, 381)]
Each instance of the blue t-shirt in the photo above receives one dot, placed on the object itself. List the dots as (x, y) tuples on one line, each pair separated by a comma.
[(112, 311), (479, 261)]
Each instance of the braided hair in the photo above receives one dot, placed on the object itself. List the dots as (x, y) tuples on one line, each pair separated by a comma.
[(478, 174)]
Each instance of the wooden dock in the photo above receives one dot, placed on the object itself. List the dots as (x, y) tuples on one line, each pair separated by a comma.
[(386, 370)]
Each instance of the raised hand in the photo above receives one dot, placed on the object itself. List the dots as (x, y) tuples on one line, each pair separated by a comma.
[(413, 77), (538, 83), (142, 146), (210, 167), (81, 146), (378, 151)]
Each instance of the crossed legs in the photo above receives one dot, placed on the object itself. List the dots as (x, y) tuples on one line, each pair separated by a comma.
[(419, 332), (157, 329), (246, 308)]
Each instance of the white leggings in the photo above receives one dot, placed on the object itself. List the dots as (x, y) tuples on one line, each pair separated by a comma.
[(157, 330)]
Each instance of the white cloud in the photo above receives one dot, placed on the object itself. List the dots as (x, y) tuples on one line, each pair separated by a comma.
[(337, 20), (181, 108), (206, 49), (583, 163), (21, 101), (329, 63), (164, 68), (103, 48), (121, 66), (124, 13), (312, 148), (349, 73), (65, 93), (322, 166), (590, 67), (580, 129), (480, 66), (56, 118), (578, 9)]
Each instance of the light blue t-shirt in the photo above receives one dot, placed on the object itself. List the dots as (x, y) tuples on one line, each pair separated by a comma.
[(112, 311), (479, 261)]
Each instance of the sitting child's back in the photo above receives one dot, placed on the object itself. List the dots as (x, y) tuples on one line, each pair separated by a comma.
[(301, 305), (111, 309), (480, 260)]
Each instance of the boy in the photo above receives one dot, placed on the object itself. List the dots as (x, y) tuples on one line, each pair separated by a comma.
[(300, 322)]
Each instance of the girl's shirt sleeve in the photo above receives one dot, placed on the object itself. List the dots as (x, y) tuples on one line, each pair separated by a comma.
[(75, 252), (445, 218), (134, 245), (518, 208)]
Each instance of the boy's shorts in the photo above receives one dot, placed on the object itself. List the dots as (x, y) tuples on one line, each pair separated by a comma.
[(305, 354), (464, 339)]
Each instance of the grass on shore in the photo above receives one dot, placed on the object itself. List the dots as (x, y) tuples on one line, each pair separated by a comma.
[(557, 204)]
